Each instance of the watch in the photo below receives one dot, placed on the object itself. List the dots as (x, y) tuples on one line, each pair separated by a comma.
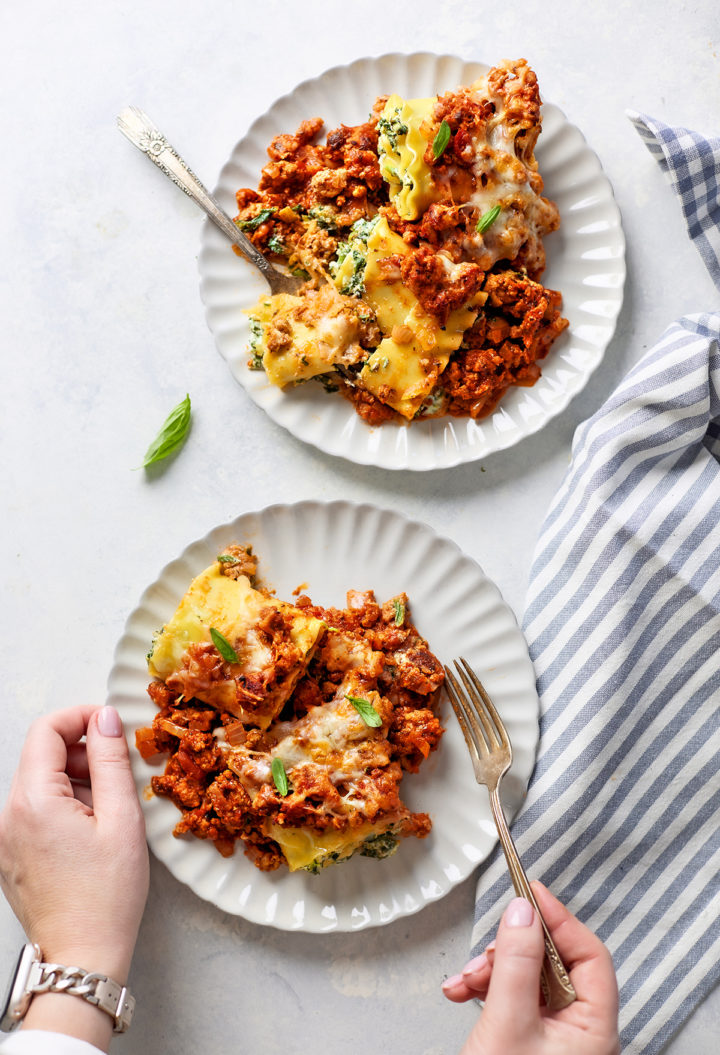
[(32, 976)]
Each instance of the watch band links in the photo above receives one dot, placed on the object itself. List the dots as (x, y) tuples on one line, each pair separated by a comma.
[(111, 997)]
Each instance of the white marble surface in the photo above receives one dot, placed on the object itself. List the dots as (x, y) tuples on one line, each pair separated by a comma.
[(104, 332)]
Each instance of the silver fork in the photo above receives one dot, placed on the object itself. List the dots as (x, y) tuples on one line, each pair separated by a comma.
[(491, 754), (142, 133)]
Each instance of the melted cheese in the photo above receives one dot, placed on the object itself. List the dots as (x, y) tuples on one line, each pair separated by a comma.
[(403, 374), (319, 335), (332, 740), (334, 736), (406, 372), (500, 177), (344, 652), (302, 847), (232, 607), (401, 146)]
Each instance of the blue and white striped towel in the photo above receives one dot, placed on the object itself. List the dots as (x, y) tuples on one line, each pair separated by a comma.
[(622, 817)]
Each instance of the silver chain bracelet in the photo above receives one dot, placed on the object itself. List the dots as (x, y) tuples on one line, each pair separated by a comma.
[(96, 988)]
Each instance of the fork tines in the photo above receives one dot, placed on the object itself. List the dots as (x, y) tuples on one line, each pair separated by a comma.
[(481, 724)]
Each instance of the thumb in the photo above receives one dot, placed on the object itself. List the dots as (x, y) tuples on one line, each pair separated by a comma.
[(111, 779), (513, 995)]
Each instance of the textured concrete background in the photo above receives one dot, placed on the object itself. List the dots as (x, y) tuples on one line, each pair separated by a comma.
[(104, 331)]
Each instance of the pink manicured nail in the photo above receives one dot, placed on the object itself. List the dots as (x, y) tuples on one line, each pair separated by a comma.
[(519, 913), (475, 966), (109, 723), (453, 982)]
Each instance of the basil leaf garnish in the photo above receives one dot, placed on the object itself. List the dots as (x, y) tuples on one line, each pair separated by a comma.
[(227, 558), (279, 776), (172, 435), (441, 140), (487, 219), (365, 709), (399, 612), (254, 222), (223, 646)]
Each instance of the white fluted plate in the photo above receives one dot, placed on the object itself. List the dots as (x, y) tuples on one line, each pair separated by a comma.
[(586, 262), (328, 549)]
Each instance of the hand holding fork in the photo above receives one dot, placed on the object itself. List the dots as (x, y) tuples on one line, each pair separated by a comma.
[(491, 755)]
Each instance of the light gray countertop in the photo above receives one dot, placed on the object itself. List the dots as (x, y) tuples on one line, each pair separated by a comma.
[(104, 332)]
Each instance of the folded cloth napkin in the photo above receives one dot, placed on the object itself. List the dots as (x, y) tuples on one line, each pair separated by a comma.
[(622, 817)]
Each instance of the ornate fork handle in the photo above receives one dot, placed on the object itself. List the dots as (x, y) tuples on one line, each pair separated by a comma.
[(555, 982), (143, 134)]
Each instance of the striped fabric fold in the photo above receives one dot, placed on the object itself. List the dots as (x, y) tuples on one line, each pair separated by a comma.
[(622, 816), (692, 163)]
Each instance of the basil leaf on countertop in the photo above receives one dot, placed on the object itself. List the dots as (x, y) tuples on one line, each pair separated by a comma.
[(172, 435)]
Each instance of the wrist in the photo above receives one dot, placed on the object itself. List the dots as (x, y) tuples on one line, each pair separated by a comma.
[(70, 1015), (67, 997), (112, 961)]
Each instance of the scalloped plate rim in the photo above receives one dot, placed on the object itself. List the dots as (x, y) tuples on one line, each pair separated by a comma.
[(447, 457), (175, 854)]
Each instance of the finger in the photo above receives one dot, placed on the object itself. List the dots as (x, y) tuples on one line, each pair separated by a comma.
[(476, 973), (111, 778), (583, 953), (45, 751), (512, 999), (77, 763), (574, 941), (455, 989), (83, 794), (473, 982)]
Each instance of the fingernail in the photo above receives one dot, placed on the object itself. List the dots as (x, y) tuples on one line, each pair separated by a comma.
[(475, 966), (490, 947), (519, 913), (453, 982), (109, 723)]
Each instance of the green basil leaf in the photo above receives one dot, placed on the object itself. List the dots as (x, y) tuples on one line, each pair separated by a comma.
[(254, 222), (487, 219), (399, 612), (276, 245), (441, 140), (227, 558), (279, 776), (223, 646), (172, 435), (365, 709)]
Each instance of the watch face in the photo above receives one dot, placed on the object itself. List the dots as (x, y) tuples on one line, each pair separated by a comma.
[(17, 998)]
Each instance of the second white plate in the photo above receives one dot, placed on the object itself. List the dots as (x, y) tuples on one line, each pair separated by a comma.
[(328, 549), (586, 262)]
